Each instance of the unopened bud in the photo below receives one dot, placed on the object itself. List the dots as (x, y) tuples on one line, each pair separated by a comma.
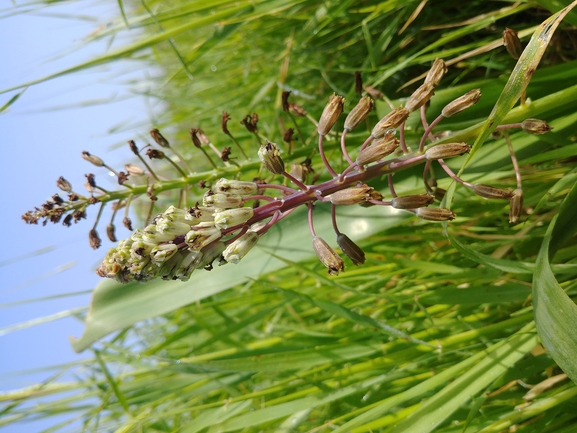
[(269, 154), (110, 232), (237, 187), (447, 150), (133, 147), (232, 217), (391, 121), (420, 97), (462, 103), (435, 214), (194, 137), (240, 247), (359, 113), (134, 170), (328, 256), (351, 196), (155, 154), (210, 253), (297, 109), (94, 239), (285, 101), (516, 206), (161, 253), (535, 126), (437, 71), (202, 235), (127, 222), (221, 201), (512, 43), (374, 93), (331, 113), (63, 184), (412, 201), (350, 249), (491, 192), (159, 138), (93, 159), (380, 148)]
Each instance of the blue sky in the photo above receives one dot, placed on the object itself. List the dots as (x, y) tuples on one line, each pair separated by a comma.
[(43, 135)]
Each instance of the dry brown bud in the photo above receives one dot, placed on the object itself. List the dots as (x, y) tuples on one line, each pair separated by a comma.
[(491, 192), (63, 184), (379, 149), (512, 43), (94, 239), (91, 180), (351, 196), (374, 93), (225, 154), (462, 103), (134, 170), (535, 126), (436, 73), (110, 232), (194, 137), (420, 97), (133, 146), (93, 159), (359, 113), (435, 214), (127, 222), (250, 123), (350, 249), (297, 109), (358, 83), (224, 121), (122, 177), (288, 135), (328, 256), (270, 157), (447, 150), (155, 154), (391, 121), (67, 220), (516, 206), (330, 114), (285, 101), (159, 138), (412, 201)]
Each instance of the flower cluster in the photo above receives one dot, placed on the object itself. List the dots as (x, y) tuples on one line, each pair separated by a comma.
[(224, 228)]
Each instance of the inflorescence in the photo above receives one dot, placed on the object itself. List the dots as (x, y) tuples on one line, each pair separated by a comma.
[(234, 214)]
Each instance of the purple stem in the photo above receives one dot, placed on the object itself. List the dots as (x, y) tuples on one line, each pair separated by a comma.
[(453, 175), (428, 131), (324, 157), (344, 148)]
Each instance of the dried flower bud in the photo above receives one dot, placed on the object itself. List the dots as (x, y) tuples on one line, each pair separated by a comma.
[(351, 196), (224, 121), (297, 109), (250, 123), (93, 159), (358, 83), (63, 184), (447, 150), (67, 220), (412, 201), (94, 239), (359, 113), (462, 103), (122, 178), (330, 114), (535, 126), (491, 192), (133, 146), (379, 149), (374, 93), (328, 256), (127, 222), (435, 214), (350, 249), (238, 187), (437, 71), (110, 232), (270, 157), (159, 138), (288, 135), (195, 138), (221, 201), (240, 247), (232, 217), (134, 170), (391, 121), (285, 101), (155, 154), (202, 235), (512, 43), (420, 97), (516, 206), (225, 154)]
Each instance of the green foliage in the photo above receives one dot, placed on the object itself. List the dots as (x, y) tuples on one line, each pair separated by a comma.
[(436, 331)]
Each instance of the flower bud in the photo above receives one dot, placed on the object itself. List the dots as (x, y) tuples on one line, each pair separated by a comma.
[(512, 43), (133, 170), (210, 253), (351, 196), (331, 113), (240, 247), (161, 253), (232, 217), (391, 121), (359, 113), (202, 235), (173, 228), (420, 97), (170, 267), (328, 256), (110, 232), (63, 184), (270, 157), (189, 263), (221, 201), (437, 71), (374, 93), (93, 159), (201, 213), (491, 192), (535, 126), (159, 138), (152, 234), (516, 206), (195, 138), (155, 154), (412, 201), (380, 148), (237, 187), (94, 239), (435, 214), (462, 103), (350, 249), (447, 150)]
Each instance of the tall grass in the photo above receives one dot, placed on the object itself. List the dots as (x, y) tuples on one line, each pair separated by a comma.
[(287, 348)]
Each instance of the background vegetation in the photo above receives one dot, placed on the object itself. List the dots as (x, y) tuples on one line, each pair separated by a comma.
[(287, 348)]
